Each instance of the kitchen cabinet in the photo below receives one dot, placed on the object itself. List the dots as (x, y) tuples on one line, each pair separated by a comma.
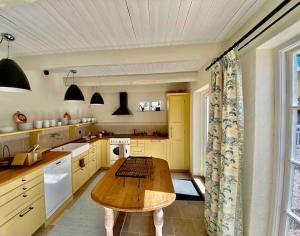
[(98, 154), (104, 153), (156, 148), (93, 158), (22, 205), (179, 125), (80, 170), (137, 147), (27, 221)]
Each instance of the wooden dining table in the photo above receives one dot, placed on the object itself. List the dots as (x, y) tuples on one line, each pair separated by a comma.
[(127, 194)]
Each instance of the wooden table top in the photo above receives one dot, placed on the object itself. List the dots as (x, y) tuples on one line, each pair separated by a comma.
[(152, 194)]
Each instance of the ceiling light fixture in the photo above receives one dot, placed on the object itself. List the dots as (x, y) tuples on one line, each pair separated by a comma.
[(12, 77), (97, 99), (73, 93)]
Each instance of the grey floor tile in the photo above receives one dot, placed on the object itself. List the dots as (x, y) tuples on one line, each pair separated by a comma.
[(84, 217), (184, 227)]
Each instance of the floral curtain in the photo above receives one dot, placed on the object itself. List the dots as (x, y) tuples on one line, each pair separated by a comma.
[(223, 210)]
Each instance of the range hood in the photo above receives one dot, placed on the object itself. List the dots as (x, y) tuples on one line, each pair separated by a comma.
[(123, 109)]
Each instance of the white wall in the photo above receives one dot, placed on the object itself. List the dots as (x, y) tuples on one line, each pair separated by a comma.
[(45, 101), (136, 94)]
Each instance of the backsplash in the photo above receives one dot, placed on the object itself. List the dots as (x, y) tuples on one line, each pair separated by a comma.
[(128, 128)]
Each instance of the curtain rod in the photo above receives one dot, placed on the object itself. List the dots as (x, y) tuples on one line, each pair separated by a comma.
[(256, 27)]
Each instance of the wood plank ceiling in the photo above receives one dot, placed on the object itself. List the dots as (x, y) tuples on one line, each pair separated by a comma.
[(58, 26)]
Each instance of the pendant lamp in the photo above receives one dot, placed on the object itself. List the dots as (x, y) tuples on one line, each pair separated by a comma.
[(12, 77), (73, 93), (96, 99)]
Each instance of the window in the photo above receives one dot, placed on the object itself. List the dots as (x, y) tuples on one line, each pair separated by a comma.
[(292, 169), (156, 105)]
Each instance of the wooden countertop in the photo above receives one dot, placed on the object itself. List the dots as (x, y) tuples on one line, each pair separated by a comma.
[(152, 194), (9, 174), (151, 137)]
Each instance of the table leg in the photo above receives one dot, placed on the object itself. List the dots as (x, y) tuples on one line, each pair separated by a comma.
[(109, 221), (158, 217)]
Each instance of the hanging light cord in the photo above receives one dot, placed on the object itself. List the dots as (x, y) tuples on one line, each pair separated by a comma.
[(66, 79)]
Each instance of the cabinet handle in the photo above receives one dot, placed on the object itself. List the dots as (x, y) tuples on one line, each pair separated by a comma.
[(171, 132), (23, 180), (58, 163), (23, 214), (25, 195), (24, 188)]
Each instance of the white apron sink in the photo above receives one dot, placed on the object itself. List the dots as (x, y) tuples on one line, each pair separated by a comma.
[(75, 148)]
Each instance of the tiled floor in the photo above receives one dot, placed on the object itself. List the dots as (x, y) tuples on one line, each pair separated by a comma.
[(182, 218)]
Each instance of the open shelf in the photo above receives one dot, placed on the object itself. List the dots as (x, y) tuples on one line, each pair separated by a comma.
[(35, 133)]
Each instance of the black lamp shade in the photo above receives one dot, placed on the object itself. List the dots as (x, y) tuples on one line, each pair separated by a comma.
[(74, 93), (12, 77), (97, 99)]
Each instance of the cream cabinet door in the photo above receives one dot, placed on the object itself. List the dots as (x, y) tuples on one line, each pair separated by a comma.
[(176, 109), (104, 153), (156, 148), (176, 145), (177, 155), (98, 154)]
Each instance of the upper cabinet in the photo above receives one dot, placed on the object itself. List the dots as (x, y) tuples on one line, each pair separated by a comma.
[(176, 104), (179, 130)]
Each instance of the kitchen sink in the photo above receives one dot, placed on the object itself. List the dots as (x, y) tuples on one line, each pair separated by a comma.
[(75, 148)]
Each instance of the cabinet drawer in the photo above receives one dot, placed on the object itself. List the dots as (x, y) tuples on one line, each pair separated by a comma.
[(27, 221), (137, 143), (80, 177), (92, 157), (137, 150), (93, 167), (20, 190), (17, 203), (82, 155), (76, 164), (20, 181)]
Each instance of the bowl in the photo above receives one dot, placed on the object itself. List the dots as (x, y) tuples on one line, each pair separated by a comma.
[(46, 123), (64, 121), (38, 124), (73, 122), (52, 123), (25, 126), (7, 129)]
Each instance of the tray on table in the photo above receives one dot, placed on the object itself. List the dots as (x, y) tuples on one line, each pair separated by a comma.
[(136, 167)]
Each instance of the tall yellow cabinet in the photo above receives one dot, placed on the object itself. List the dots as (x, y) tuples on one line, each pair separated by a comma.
[(179, 130)]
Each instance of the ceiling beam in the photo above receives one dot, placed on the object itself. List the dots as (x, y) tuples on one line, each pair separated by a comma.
[(136, 79), (195, 52)]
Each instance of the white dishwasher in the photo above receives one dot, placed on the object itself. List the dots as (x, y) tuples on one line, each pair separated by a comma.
[(58, 184)]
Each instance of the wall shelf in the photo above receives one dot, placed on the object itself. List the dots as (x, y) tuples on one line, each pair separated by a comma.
[(34, 134)]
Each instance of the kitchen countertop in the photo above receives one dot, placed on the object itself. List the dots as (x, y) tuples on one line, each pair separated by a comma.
[(134, 137), (149, 137), (10, 174)]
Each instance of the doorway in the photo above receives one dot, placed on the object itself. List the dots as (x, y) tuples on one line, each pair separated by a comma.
[(200, 134)]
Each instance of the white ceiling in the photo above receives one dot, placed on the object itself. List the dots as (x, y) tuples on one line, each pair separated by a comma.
[(57, 26)]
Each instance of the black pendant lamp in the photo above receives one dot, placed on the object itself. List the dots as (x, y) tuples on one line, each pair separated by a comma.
[(97, 99), (12, 77), (73, 93)]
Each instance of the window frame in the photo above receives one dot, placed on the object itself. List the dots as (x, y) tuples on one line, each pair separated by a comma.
[(285, 140)]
